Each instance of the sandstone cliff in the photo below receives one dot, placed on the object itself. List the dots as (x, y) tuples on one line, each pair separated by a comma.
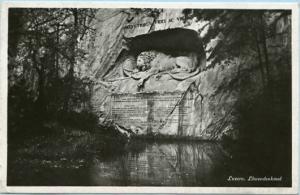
[(205, 106)]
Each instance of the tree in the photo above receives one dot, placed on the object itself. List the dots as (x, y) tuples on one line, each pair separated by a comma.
[(241, 32), (43, 53)]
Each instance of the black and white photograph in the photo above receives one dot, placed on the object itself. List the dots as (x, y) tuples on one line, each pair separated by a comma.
[(149, 96)]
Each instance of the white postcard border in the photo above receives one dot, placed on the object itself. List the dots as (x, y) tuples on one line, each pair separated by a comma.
[(115, 189)]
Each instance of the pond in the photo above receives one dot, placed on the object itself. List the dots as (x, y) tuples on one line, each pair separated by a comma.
[(145, 163), (162, 164)]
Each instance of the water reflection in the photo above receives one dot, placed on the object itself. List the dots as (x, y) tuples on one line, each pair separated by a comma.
[(144, 163), (163, 164)]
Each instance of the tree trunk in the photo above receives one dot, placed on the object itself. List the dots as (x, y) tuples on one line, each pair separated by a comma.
[(264, 43), (255, 34), (56, 54), (40, 102), (70, 75), (266, 58), (261, 67)]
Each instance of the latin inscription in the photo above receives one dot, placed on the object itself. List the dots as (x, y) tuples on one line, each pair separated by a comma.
[(162, 21), (150, 111)]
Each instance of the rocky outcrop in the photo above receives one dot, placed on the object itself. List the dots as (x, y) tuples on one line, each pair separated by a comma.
[(203, 105)]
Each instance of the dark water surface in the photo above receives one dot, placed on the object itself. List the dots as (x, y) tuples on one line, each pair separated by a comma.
[(144, 164), (162, 164)]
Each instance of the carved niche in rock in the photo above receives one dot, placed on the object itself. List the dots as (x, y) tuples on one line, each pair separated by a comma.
[(159, 64), (169, 51)]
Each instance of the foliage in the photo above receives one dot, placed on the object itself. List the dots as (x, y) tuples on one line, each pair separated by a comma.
[(261, 39), (43, 55), (239, 33)]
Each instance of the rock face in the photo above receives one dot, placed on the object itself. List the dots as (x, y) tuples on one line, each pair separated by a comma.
[(185, 99)]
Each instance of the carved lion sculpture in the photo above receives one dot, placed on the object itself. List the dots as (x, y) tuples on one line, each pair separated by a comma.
[(167, 51), (152, 63)]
